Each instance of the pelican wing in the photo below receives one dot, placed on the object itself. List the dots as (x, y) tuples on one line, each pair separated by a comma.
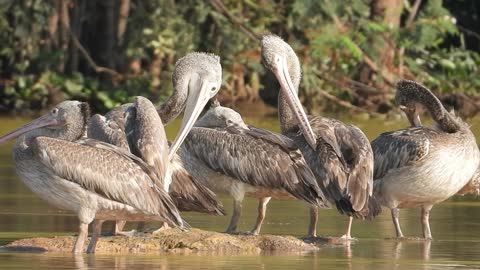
[(342, 163), (108, 171), (393, 150), (189, 194), (109, 129), (358, 156), (256, 157), (148, 139)]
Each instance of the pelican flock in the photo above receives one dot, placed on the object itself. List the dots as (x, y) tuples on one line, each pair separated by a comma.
[(138, 128), (121, 166)]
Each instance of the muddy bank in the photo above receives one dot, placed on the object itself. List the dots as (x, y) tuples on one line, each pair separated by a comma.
[(172, 241)]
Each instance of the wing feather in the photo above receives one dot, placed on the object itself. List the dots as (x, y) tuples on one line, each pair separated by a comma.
[(148, 139), (256, 157), (189, 194), (343, 165), (109, 130), (393, 150), (108, 171)]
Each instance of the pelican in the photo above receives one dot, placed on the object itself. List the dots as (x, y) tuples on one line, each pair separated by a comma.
[(422, 166), (232, 158), (94, 180), (194, 73), (339, 155), (411, 111)]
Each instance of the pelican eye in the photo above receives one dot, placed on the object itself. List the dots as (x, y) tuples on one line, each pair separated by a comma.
[(54, 111), (214, 89)]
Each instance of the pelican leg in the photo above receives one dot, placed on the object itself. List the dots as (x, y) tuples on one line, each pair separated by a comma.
[(118, 226), (164, 227), (312, 227), (118, 229), (427, 234), (237, 211), (96, 232), (348, 235), (262, 208), (80, 241), (395, 214)]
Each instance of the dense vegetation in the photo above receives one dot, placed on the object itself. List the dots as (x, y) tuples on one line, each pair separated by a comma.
[(352, 51)]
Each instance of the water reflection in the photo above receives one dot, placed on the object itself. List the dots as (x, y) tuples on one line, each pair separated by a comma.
[(454, 226), (368, 254)]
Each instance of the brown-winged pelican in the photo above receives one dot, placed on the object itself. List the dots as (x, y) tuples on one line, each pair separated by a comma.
[(339, 155), (422, 166), (231, 158), (121, 127), (95, 180)]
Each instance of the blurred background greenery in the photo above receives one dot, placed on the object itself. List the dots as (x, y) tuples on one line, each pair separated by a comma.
[(352, 51)]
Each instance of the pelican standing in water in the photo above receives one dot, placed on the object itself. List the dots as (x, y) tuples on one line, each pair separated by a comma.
[(339, 155), (422, 166), (411, 111), (193, 73), (231, 158)]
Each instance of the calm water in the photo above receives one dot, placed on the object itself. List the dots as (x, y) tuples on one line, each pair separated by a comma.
[(455, 226)]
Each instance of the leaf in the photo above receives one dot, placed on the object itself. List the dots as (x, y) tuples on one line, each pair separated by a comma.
[(447, 64), (73, 88)]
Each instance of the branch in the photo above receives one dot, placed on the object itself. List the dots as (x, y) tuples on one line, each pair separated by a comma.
[(413, 13), (97, 68), (220, 7), (344, 103), (385, 75), (469, 32)]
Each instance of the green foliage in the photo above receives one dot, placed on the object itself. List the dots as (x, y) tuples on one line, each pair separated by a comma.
[(332, 39)]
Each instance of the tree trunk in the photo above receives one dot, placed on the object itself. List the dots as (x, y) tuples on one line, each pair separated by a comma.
[(76, 27), (387, 12), (62, 6), (123, 10)]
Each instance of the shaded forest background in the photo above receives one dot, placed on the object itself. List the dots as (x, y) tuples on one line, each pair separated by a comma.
[(352, 51)]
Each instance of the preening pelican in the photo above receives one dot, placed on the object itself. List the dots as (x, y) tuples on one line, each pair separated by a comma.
[(339, 154), (196, 78), (422, 166)]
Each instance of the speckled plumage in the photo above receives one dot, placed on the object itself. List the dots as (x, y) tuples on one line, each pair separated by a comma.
[(342, 158), (246, 161), (342, 165), (142, 129), (421, 166), (140, 125), (94, 180)]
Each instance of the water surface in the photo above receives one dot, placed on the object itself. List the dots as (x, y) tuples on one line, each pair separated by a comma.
[(455, 227)]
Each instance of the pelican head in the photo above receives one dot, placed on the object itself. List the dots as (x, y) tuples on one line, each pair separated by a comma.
[(196, 79), (281, 60), (412, 115), (412, 97), (66, 121), (220, 117)]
